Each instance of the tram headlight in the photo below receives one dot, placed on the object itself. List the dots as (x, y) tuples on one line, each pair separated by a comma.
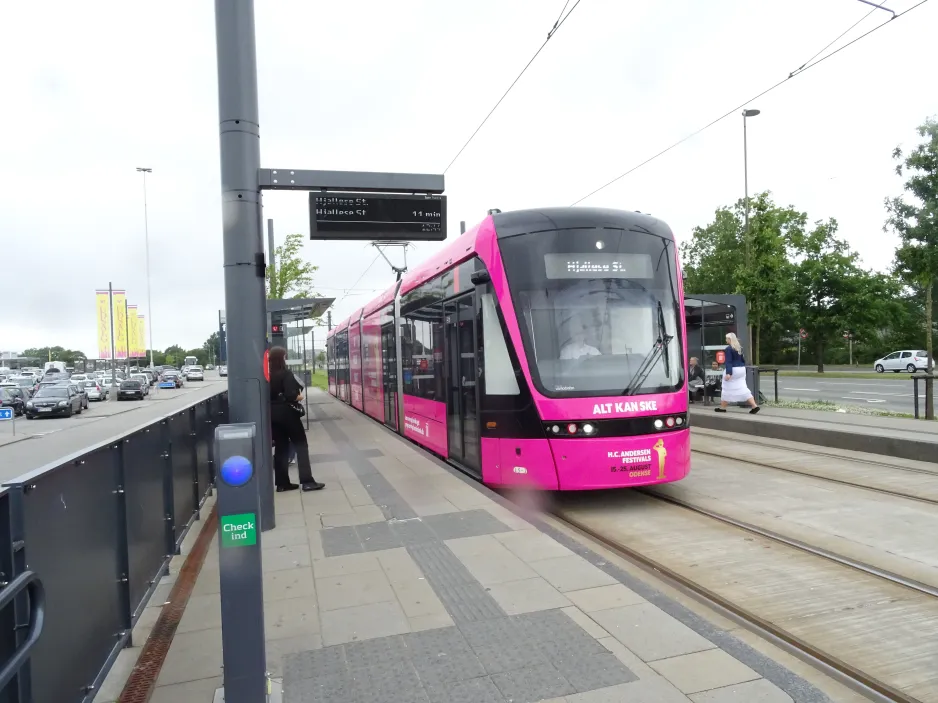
[(571, 428), (679, 421), (588, 428), (658, 424), (669, 422), (555, 429)]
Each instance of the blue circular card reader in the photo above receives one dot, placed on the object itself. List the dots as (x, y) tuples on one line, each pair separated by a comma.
[(236, 471)]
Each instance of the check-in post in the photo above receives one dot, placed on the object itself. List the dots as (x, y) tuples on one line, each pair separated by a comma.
[(239, 557)]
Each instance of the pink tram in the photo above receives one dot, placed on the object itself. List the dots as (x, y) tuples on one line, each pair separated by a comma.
[(542, 348)]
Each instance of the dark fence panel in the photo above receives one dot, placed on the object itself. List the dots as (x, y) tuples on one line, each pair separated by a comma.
[(72, 525), (182, 451), (145, 466), (204, 437), (7, 619), (98, 530)]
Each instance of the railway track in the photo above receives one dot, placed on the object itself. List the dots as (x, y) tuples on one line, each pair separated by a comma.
[(923, 488), (870, 628)]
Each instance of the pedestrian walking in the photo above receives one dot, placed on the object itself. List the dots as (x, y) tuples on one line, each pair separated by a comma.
[(735, 389), (286, 428)]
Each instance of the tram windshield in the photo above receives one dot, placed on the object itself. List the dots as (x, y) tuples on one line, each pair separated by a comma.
[(598, 310)]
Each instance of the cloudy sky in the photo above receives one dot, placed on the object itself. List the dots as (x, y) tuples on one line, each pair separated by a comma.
[(94, 90)]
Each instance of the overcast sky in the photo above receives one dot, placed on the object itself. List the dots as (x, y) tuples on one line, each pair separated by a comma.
[(93, 90)]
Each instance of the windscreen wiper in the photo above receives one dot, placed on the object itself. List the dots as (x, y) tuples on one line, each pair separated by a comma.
[(651, 358)]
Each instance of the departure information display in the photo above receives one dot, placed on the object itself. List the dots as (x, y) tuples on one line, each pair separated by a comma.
[(598, 266), (377, 216)]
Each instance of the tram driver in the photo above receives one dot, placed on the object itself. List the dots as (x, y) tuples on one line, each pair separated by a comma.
[(576, 347)]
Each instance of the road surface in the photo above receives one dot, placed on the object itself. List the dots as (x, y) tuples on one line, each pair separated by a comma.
[(45, 440), (892, 392)]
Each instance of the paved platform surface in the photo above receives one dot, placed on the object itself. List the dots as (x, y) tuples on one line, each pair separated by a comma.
[(905, 428), (403, 581), (897, 437)]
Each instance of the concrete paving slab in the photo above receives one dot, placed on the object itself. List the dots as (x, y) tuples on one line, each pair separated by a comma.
[(382, 589)]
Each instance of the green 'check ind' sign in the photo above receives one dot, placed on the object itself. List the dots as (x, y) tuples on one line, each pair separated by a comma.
[(238, 530)]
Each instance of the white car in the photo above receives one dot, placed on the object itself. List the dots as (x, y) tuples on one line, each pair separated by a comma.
[(910, 360), (195, 373), (96, 391), (222, 370)]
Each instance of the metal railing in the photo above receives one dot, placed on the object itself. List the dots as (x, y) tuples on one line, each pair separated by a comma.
[(772, 370), (99, 529), (929, 383)]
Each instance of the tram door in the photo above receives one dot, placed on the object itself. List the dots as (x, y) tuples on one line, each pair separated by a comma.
[(462, 411), (389, 374)]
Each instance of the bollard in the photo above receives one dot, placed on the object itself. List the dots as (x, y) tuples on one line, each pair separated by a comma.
[(240, 566)]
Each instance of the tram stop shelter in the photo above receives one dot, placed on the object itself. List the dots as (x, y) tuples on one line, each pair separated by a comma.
[(291, 323), (708, 318)]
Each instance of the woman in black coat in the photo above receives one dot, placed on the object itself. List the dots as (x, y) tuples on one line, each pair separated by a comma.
[(286, 427)]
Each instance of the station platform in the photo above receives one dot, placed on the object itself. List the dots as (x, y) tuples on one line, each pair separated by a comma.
[(903, 438), (406, 581)]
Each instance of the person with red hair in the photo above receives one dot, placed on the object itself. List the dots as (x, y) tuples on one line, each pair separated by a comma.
[(286, 428)]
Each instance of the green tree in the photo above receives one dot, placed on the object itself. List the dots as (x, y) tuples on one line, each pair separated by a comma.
[(715, 261), (44, 354), (916, 223), (174, 355), (831, 294), (210, 347), (293, 276)]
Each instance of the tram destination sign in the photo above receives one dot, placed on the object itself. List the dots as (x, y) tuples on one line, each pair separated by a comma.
[(377, 216)]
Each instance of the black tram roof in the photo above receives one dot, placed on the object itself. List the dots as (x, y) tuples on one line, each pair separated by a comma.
[(510, 224)]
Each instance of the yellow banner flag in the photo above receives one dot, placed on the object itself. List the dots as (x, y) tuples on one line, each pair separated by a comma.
[(104, 324), (141, 326), (132, 331), (120, 324)]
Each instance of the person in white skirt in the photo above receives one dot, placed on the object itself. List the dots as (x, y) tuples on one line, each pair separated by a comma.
[(735, 389)]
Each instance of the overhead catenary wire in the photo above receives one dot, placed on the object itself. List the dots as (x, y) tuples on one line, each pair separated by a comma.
[(743, 104), (834, 40), (557, 25), (352, 287)]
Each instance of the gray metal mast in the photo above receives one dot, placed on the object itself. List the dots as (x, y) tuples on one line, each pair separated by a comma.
[(245, 295)]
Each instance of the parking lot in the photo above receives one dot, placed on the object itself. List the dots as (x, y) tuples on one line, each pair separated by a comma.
[(29, 444)]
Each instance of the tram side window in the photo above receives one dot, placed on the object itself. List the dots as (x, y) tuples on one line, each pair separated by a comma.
[(422, 355), (330, 361), (498, 373), (342, 356)]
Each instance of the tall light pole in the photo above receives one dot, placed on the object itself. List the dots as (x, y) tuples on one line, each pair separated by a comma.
[(746, 113), (146, 239), (746, 238)]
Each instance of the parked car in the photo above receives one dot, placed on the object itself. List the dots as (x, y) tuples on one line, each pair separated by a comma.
[(144, 381), (54, 400), (222, 370), (77, 388), (195, 374), (18, 391), (96, 390), (176, 378), (130, 390), (9, 400), (910, 360)]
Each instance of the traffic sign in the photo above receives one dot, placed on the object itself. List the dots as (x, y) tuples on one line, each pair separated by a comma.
[(6, 413), (377, 216), (803, 333), (721, 357)]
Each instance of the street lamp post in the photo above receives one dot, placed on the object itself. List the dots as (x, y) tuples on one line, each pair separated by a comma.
[(746, 113), (146, 239), (746, 238)]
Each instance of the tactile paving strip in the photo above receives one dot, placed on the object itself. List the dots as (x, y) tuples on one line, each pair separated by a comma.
[(139, 686)]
